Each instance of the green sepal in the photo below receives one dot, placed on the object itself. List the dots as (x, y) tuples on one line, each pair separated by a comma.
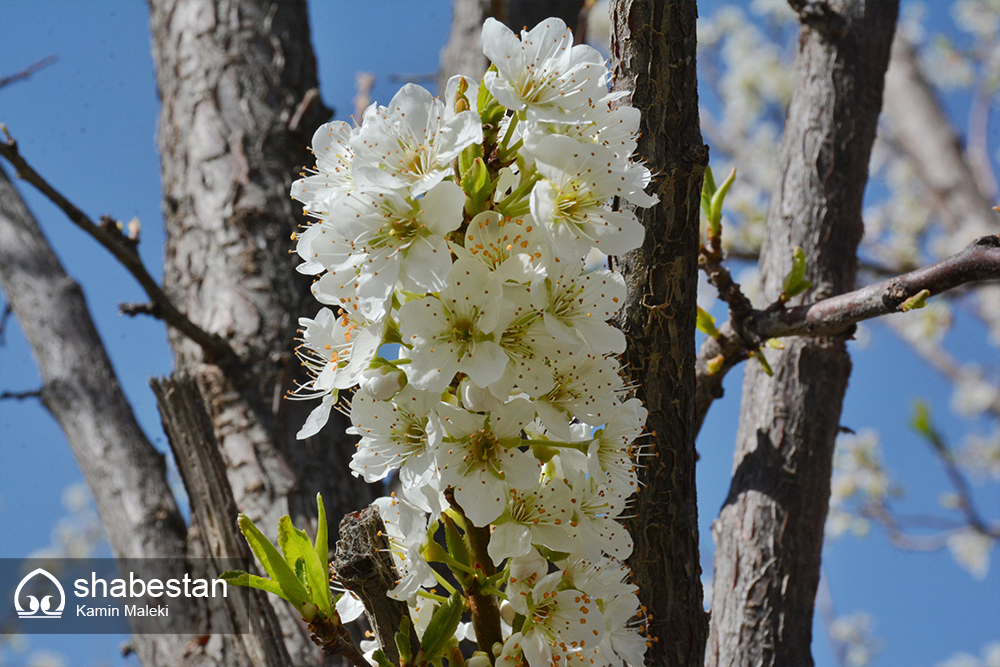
[(275, 565), (918, 300), (300, 554), (457, 547), (467, 158), (402, 638), (484, 97), (441, 628), (380, 659), (518, 623), (477, 186), (795, 282), (706, 323)]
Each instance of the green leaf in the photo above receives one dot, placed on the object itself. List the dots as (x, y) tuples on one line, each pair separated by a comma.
[(707, 191), (402, 638), (918, 300), (322, 534), (759, 356), (457, 547), (921, 423), (380, 659), (795, 282), (706, 323), (300, 554), (715, 218), (441, 628), (275, 565), (240, 578)]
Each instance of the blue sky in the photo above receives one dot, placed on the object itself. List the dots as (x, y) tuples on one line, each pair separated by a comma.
[(88, 124)]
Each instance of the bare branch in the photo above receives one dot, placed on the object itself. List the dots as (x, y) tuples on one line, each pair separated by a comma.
[(980, 260), (216, 349), (29, 70), (20, 395)]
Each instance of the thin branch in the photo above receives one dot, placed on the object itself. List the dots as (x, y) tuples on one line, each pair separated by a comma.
[(29, 70), (20, 395), (980, 260), (4, 318), (216, 349)]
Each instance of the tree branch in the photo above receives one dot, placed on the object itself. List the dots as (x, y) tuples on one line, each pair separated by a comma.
[(216, 349), (980, 260), (29, 70)]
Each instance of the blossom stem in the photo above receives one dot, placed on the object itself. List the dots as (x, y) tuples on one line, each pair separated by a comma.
[(516, 199), (581, 446), (482, 604)]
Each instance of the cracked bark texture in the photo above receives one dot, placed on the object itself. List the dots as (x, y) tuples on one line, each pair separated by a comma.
[(231, 77), (653, 55), (769, 533)]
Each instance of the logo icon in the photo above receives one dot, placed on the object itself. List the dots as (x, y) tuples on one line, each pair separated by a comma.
[(38, 609)]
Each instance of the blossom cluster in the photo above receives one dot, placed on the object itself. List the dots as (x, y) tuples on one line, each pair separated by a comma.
[(456, 231)]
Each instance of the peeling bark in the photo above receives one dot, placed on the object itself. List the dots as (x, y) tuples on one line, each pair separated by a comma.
[(653, 56), (769, 534)]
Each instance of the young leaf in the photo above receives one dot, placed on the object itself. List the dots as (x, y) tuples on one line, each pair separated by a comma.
[(240, 578), (918, 300), (274, 564), (380, 659), (402, 638), (706, 323), (759, 356), (441, 628), (297, 548), (795, 282), (322, 534), (717, 198), (707, 191)]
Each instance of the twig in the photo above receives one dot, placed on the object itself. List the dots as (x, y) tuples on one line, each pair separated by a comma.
[(21, 395), (980, 260), (216, 349), (426, 77), (133, 309), (29, 70), (4, 318)]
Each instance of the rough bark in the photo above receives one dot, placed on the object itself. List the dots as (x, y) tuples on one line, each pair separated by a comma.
[(213, 509), (125, 473), (237, 81), (769, 534), (653, 56)]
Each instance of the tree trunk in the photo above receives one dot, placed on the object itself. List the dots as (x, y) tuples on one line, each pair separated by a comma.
[(653, 56), (125, 473), (769, 535), (237, 80)]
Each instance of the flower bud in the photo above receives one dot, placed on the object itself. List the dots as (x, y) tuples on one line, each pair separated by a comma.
[(382, 382), (478, 659)]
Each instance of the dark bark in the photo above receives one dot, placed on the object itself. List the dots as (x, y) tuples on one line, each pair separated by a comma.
[(235, 77), (769, 534), (653, 56), (125, 473)]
